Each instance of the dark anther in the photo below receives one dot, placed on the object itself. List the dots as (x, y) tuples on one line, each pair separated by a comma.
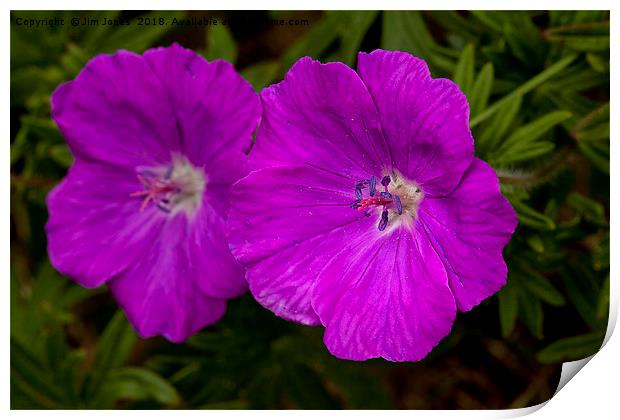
[(385, 181), (384, 220), (387, 195), (356, 204), (373, 184), (358, 193), (399, 206)]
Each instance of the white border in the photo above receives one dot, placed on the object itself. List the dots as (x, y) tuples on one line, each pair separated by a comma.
[(593, 393)]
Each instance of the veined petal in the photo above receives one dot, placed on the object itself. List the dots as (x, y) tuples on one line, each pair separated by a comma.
[(425, 121), (321, 114), (215, 108), (95, 230), (161, 293), (384, 297), (469, 230), (117, 111), (283, 224)]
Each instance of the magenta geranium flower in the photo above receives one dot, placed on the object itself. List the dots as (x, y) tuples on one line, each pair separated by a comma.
[(368, 212), (158, 139)]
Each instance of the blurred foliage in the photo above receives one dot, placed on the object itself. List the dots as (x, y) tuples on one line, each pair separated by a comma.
[(538, 87)]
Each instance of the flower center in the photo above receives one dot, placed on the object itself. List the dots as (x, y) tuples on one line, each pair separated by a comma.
[(399, 200), (172, 188)]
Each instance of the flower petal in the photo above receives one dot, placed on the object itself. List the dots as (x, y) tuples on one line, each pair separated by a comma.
[(215, 108), (321, 114), (384, 296), (280, 224), (117, 111), (95, 230), (425, 120), (161, 293), (469, 230), (219, 275)]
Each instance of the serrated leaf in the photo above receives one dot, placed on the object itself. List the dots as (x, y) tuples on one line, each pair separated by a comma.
[(571, 348), (221, 44)]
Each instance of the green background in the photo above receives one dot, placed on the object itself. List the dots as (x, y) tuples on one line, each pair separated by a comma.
[(538, 88)]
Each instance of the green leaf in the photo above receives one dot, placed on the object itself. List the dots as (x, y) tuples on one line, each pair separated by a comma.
[(508, 308), (353, 27), (60, 154), (464, 70), (534, 130), (582, 294), (497, 128), (531, 84), (532, 218), (221, 44), (571, 348), (602, 306), (138, 38), (588, 208), (407, 31), (479, 95), (531, 313), (113, 349), (305, 388), (589, 37), (313, 42), (540, 287), (261, 74), (135, 383), (524, 151)]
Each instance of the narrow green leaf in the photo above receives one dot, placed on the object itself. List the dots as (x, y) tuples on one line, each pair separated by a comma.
[(531, 84), (530, 217), (313, 42), (112, 351), (508, 308), (261, 74), (531, 313), (602, 306), (481, 90), (354, 26), (407, 31), (540, 287), (135, 383), (221, 44), (581, 293), (587, 207), (60, 154), (571, 348), (534, 130), (494, 132), (464, 70), (523, 152)]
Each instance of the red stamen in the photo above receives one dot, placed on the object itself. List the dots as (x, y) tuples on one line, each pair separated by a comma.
[(153, 188), (373, 201)]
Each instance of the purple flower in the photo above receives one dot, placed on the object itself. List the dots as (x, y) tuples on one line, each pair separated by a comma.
[(367, 212), (158, 139)]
